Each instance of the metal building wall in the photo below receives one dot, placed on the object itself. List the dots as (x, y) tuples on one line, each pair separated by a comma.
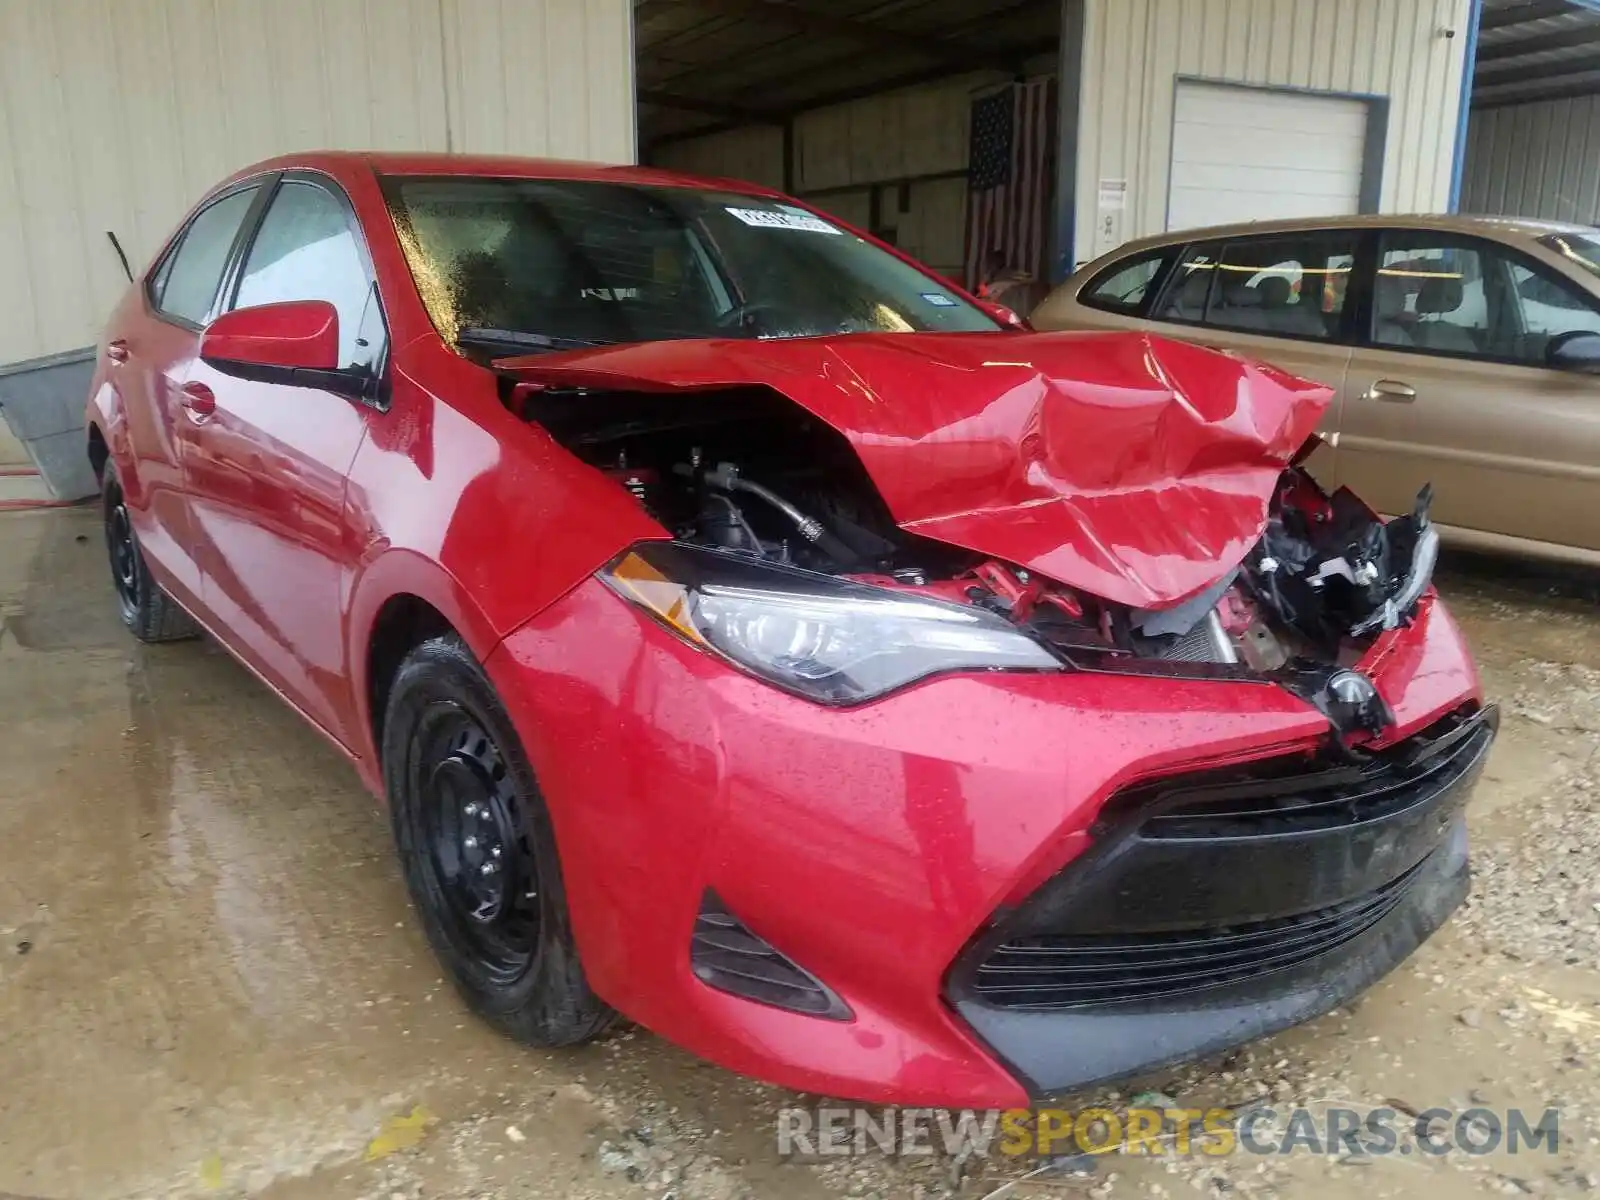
[(117, 115), (1535, 160), (751, 152), (1135, 51)]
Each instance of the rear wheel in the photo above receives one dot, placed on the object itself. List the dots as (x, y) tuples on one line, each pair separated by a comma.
[(478, 853), (149, 613)]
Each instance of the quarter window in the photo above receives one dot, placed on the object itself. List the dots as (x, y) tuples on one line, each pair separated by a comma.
[(186, 282), (1123, 287), (306, 249)]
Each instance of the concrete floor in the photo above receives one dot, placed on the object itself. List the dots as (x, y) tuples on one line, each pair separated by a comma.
[(210, 982)]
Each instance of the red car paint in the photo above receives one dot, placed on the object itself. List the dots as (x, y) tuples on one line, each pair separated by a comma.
[(870, 843), (295, 333), (1133, 467)]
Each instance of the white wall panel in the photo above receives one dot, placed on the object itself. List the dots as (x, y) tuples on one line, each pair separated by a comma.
[(1136, 50), (549, 78), (117, 115), (1535, 160)]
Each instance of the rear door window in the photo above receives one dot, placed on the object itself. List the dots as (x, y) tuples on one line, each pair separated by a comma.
[(185, 284), (1291, 287)]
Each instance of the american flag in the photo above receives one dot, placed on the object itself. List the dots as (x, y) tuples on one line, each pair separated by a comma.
[(1010, 179)]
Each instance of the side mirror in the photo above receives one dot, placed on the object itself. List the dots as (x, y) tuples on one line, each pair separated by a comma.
[(1001, 313), (296, 343), (1575, 351)]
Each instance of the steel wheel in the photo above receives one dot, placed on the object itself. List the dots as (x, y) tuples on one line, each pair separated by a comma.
[(120, 547), (477, 850)]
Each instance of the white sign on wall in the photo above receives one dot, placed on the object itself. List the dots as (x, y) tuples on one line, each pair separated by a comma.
[(1113, 201)]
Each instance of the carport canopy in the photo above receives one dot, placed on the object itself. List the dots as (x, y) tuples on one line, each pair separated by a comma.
[(709, 65), (1536, 50)]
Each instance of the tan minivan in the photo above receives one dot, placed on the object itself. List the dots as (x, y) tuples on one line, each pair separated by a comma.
[(1464, 351)]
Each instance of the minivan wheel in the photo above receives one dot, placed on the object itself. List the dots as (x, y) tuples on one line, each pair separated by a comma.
[(149, 613), (478, 852)]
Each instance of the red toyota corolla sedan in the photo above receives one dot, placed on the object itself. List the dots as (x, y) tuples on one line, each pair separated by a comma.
[(754, 634)]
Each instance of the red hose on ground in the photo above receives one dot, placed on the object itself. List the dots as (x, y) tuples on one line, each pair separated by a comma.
[(8, 471)]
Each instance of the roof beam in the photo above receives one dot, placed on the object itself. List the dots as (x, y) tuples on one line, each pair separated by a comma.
[(1565, 39), (808, 20), (843, 96), (1018, 54), (1554, 73), (708, 108), (1573, 91), (1534, 10)]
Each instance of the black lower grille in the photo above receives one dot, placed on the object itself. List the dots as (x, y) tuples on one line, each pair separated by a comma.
[(1063, 972)]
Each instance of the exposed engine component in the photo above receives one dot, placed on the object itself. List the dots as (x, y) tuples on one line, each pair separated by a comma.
[(749, 473), (725, 477)]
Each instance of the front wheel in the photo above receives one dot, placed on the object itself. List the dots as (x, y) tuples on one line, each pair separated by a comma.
[(478, 852), (149, 613)]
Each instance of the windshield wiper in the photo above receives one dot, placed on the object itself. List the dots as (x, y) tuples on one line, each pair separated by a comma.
[(521, 339)]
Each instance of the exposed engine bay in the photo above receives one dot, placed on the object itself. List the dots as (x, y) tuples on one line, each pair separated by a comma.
[(747, 472)]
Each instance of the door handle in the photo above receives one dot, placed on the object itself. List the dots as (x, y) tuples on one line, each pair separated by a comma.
[(117, 350), (200, 400), (1391, 390)]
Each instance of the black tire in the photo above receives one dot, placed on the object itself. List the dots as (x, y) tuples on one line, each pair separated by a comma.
[(149, 613), (453, 766)]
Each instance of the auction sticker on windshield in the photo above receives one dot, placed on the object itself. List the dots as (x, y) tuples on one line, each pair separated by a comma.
[(787, 219)]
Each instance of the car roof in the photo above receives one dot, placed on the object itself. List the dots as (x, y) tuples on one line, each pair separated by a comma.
[(346, 162), (1505, 228)]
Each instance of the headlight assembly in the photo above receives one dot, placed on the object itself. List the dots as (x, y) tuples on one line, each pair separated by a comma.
[(827, 639)]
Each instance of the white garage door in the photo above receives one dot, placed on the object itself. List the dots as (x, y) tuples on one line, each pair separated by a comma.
[(1245, 154)]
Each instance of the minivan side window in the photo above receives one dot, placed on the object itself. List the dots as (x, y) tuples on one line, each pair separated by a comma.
[(306, 249), (1123, 287), (1472, 299), (185, 283), (1285, 287)]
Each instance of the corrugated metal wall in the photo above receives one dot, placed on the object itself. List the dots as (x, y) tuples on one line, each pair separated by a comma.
[(1535, 160), (1134, 51), (117, 115), (753, 152)]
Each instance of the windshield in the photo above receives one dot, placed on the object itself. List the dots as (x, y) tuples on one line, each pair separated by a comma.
[(557, 263), (1581, 248)]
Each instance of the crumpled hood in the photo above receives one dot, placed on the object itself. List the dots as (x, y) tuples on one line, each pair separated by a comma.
[(1135, 468)]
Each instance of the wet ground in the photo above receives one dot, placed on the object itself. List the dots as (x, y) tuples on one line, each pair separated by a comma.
[(210, 983)]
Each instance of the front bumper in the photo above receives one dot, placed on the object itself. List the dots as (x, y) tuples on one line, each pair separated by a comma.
[(877, 846), (1219, 908)]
